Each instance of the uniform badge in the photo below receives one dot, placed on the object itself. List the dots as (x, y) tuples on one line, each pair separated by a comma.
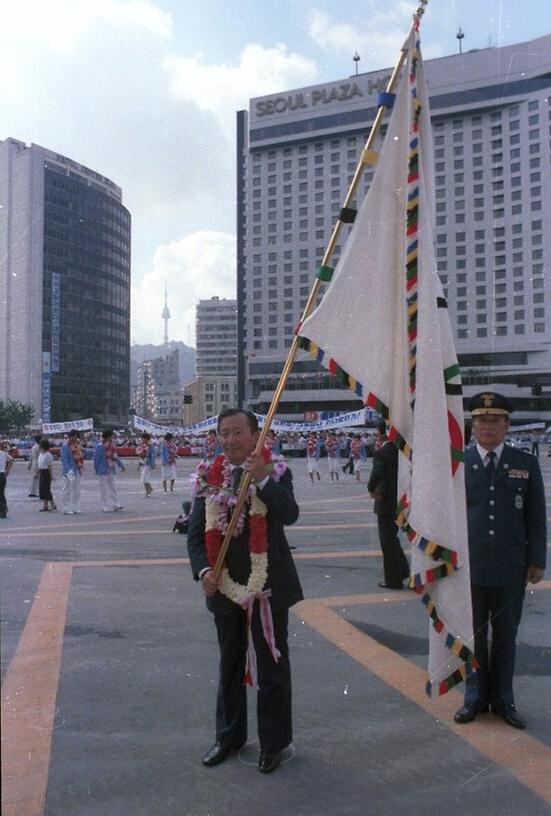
[(519, 503), (519, 473)]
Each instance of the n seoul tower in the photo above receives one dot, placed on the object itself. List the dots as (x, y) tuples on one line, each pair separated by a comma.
[(166, 315)]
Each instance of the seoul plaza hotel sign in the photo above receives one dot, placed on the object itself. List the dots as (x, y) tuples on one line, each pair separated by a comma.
[(318, 97)]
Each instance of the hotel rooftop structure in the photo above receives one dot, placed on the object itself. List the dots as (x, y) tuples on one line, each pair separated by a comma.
[(296, 154)]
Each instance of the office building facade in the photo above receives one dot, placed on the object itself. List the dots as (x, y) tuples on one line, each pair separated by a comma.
[(207, 397), (216, 338), (64, 287), (296, 154), (215, 385)]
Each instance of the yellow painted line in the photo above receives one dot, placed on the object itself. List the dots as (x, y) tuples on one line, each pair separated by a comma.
[(29, 697), (91, 533), (359, 526), (119, 518), (350, 600), (339, 500), (315, 556), (132, 562), (30, 687), (151, 531), (333, 512), (523, 756)]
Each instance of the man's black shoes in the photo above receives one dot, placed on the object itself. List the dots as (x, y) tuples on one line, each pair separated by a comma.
[(268, 762), (218, 753), (467, 713), (386, 586), (509, 714), (505, 710)]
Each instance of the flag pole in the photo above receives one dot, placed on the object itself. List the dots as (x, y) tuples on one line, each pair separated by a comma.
[(368, 157)]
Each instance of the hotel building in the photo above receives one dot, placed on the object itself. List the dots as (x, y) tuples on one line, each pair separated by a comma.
[(296, 155)]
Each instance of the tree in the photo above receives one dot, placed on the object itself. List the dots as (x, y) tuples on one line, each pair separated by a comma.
[(14, 415)]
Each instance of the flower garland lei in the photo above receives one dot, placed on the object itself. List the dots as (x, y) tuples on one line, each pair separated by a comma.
[(214, 483)]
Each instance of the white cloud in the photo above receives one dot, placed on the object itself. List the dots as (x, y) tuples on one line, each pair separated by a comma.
[(378, 35), (59, 25), (197, 267), (223, 89)]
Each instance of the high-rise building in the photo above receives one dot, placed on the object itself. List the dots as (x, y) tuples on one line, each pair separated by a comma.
[(215, 385), (64, 287), (296, 154), (216, 338), (158, 395)]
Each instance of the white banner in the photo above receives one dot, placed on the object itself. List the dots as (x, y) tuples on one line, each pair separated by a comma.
[(63, 427), (350, 420), (160, 430)]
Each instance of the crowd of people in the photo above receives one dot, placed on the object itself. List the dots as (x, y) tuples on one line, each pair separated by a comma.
[(330, 452), (155, 456)]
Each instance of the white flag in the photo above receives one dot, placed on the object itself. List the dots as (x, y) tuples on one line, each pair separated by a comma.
[(383, 329)]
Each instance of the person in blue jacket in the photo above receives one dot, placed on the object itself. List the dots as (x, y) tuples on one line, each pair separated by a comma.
[(72, 465), (147, 450), (105, 459), (507, 548)]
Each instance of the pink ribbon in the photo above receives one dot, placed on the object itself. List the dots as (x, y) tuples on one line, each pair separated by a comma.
[(251, 671)]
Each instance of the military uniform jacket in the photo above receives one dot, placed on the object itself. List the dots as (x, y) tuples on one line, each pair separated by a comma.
[(384, 478), (506, 521), (282, 575)]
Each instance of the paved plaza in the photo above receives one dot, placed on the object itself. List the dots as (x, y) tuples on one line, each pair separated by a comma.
[(109, 662)]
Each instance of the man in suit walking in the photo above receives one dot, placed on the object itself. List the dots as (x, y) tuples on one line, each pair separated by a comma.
[(383, 487), (260, 574), (507, 549)]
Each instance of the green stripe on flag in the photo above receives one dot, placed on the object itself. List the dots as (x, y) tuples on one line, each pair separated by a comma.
[(451, 371)]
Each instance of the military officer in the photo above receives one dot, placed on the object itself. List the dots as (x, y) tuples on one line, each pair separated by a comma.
[(507, 549)]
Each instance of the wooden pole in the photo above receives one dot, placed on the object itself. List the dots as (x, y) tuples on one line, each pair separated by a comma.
[(308, 309)]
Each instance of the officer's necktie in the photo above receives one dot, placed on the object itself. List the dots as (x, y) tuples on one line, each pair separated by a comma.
[(491, 466), (236, 475)]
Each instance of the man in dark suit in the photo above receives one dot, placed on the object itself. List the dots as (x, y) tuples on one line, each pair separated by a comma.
[(507, 548), (382, 487), (238, 434)]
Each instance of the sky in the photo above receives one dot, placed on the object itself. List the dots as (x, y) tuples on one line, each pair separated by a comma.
[(145, 92)]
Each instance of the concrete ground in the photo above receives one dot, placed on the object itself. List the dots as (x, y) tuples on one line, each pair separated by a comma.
[(109, 663)]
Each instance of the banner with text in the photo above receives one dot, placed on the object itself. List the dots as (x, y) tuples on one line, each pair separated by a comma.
[(64, 427), (350, 420)]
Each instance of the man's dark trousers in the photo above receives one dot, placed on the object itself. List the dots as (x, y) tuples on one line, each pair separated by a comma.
[(395, 563), (3, 504), (274, 712), (502, 607)]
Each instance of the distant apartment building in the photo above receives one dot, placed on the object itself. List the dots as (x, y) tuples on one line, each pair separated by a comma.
[(209, 396), (158, 395), (296, 154), (216, 338), (215, 385), (64, 287)]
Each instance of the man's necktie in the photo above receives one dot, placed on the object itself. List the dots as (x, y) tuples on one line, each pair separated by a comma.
[(236, 475), (491, 466)]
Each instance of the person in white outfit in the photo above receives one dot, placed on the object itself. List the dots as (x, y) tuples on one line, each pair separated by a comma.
[(72, 465)]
